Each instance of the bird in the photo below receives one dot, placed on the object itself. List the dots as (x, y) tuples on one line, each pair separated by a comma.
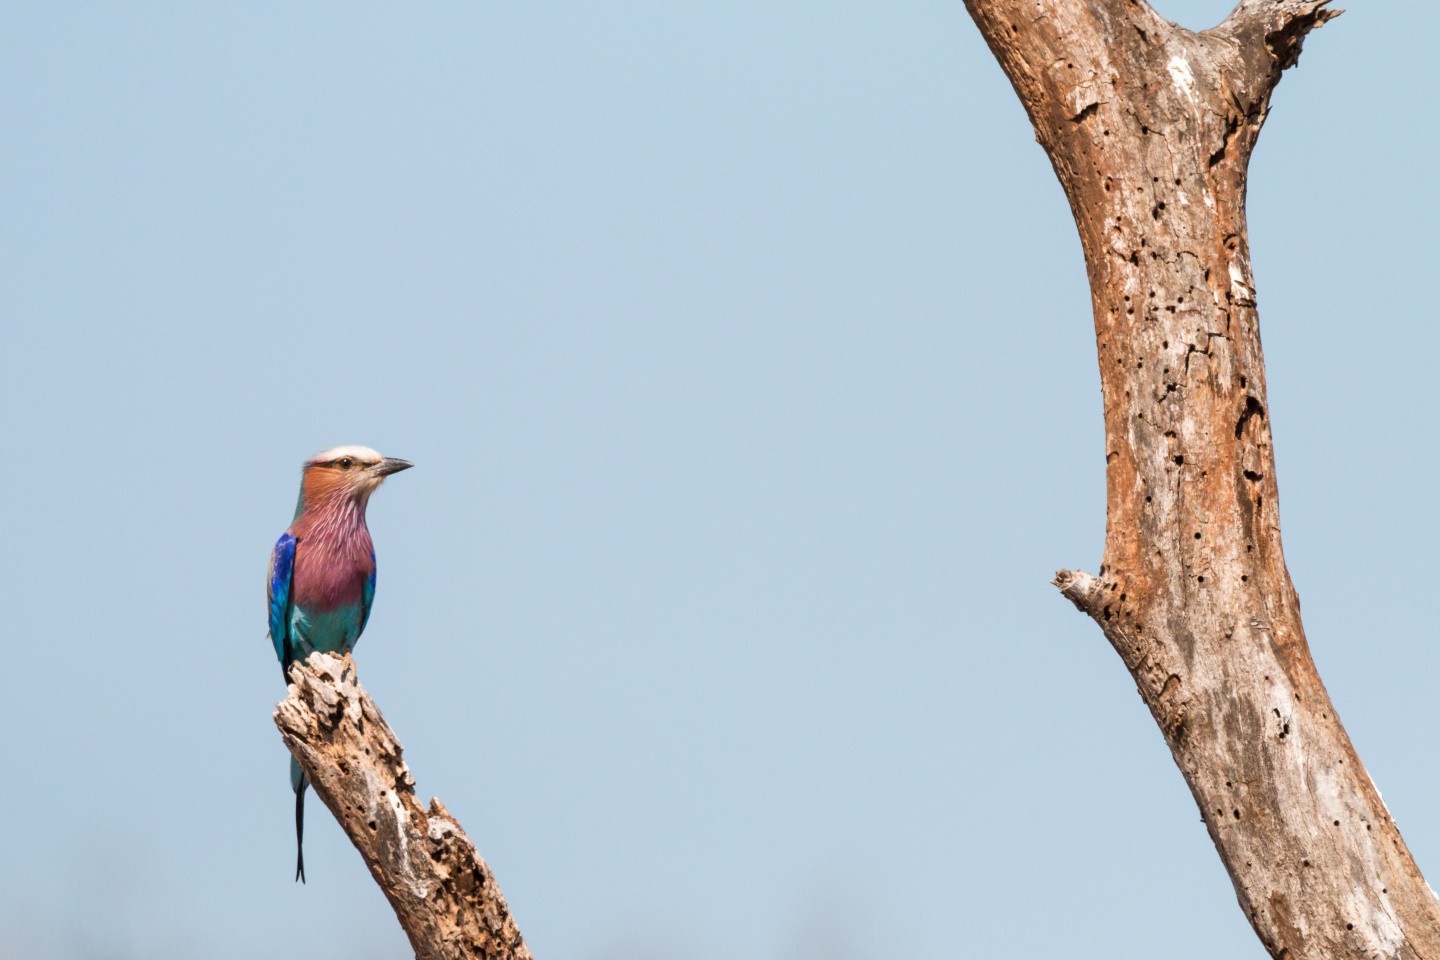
[(321, 581)]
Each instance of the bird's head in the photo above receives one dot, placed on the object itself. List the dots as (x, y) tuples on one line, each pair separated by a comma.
[(346, 473)]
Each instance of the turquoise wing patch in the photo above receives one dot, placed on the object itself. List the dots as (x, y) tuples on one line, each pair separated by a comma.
[(367, 597)]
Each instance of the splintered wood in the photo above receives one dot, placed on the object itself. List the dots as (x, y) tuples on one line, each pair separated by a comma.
[(444, 895)]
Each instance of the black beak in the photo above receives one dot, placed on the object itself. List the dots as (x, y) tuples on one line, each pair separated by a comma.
[(391, 465)]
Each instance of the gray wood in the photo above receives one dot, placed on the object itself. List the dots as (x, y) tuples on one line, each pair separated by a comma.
[(444, 895)]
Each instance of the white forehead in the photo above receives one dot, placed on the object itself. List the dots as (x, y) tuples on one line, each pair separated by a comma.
[(361, 454)]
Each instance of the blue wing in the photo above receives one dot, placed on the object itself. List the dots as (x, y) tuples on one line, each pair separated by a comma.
[(282, 564), (367, 597)]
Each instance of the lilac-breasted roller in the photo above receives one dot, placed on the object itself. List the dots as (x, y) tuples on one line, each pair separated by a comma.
[(322, 573)]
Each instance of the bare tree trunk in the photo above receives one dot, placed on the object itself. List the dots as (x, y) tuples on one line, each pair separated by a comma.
[(443, 893), (1150, 128)]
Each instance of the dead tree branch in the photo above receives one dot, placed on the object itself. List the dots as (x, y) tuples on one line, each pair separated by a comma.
[(1150, 128), (443, 893)]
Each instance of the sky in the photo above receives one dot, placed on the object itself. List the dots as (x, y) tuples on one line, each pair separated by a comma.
[(745, 356)]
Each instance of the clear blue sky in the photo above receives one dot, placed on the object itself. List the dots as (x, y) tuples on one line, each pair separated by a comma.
[(745, 355)]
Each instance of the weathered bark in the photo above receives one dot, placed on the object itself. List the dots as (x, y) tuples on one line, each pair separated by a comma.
[(444, 895), (1150, 128)]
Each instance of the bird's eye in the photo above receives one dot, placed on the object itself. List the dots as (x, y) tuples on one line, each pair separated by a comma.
[(346, 463)]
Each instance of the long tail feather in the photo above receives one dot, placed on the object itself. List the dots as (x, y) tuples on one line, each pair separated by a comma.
[(300, 831)]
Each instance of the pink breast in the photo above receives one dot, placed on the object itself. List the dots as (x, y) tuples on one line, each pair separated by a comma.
[(331, 572)]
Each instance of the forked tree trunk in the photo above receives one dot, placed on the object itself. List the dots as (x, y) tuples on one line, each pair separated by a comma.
[(1150, 128)]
